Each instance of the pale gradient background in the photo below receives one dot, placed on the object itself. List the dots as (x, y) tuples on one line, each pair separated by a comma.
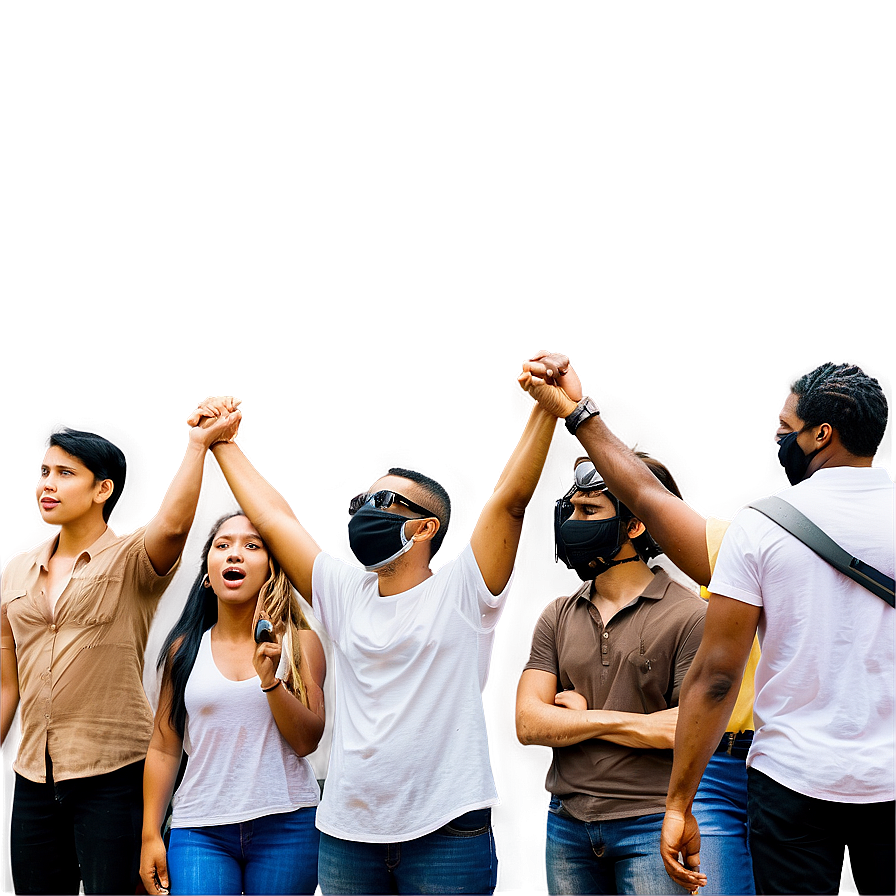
[(361, 218)]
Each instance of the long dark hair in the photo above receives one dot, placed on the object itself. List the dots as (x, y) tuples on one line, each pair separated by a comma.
[(200, 613)]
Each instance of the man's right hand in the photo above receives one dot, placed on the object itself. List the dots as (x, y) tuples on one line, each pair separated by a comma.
[(549, 378)]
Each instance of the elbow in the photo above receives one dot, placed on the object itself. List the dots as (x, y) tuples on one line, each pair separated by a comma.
[(308, 739), (526, 732), (718, 686)]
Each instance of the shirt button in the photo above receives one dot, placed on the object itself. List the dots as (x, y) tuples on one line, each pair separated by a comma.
[(52, 628), (606, 635)]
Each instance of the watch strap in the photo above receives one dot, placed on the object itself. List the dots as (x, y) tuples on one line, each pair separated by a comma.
[(584, 409)]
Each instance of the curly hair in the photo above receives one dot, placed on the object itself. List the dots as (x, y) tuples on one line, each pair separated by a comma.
[(844, 396)]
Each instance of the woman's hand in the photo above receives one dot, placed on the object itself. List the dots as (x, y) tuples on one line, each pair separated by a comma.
[(154, 866), (267, 656)]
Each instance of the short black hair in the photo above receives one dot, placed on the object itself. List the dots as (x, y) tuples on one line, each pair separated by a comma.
[(441, 503), (847, 398), (99, 455)]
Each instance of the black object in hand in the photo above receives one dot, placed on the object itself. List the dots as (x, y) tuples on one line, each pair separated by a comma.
[(264, 631)]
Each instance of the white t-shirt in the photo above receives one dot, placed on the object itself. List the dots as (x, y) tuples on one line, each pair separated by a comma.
[(825, 682), (240, 767), (409, 750)]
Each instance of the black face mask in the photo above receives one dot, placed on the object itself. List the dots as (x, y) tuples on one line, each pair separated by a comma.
[(791, 456), (377, 537), (587, 545)]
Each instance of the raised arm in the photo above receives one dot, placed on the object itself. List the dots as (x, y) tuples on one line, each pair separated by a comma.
[(167, 532), (707, 698), (497, 534), (545, 717), (269, 512), (9, 678), (678, 529), (159, 774)]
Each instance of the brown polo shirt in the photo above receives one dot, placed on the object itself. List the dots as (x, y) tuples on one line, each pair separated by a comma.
[(81, 671), (635, 663)]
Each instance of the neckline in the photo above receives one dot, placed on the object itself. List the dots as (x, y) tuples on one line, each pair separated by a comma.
[(254, 676)]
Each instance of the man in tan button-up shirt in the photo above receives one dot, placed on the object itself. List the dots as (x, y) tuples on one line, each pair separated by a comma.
[(75, 619)]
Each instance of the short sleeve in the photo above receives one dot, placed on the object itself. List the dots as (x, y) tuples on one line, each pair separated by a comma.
[(333, 583), (688, 650), (477, 604), (543, 655), (138, 567), (736, 573), (7, 594)]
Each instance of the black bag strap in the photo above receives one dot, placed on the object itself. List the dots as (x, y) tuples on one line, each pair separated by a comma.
[(789, 518)]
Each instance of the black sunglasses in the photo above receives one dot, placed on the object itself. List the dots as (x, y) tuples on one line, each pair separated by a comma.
[(383, 501)]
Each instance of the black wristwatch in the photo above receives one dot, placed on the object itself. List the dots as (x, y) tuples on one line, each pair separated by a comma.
[(584, 409)]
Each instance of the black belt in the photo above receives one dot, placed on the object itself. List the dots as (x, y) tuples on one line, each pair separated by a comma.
[(735, 743)]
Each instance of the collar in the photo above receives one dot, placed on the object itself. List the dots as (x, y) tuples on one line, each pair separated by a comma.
[(655, 590), (48, 548)]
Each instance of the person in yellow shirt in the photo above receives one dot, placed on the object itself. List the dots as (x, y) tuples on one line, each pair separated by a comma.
[(692, 543)]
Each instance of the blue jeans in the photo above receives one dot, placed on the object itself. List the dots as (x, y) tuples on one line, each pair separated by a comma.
[(458, 858), (617, 856), (271, 854), (720, 808)]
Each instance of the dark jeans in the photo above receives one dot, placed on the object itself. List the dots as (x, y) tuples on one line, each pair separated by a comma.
[(797, 842), (84, 829)]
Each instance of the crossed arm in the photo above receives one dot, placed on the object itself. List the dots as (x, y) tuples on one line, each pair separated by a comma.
[(559, 720)]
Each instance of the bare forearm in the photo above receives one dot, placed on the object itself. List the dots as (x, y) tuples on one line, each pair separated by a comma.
[(300, 726), (167, 533), (677, 528), (270, 513), (554, 726), (159, 775), (520, 476), (258, 498), (707, 699)]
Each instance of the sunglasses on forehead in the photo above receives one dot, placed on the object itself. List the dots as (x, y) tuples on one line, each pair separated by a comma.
[(383, 500), (588, 479)]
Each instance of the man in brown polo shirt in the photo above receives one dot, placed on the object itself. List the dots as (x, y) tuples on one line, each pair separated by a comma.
[(75, 619), (601, 688)]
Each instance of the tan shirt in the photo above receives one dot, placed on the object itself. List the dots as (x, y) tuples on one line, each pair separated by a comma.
[(81, 669), (634, 663)]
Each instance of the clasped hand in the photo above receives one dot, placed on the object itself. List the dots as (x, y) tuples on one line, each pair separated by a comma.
[(550, 379)]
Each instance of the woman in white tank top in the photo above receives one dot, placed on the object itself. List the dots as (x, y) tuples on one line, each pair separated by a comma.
[(246, 715)]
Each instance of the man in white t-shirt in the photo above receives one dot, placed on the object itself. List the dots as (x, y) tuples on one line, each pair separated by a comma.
[(821, 774), (821, 767), (409, 789)]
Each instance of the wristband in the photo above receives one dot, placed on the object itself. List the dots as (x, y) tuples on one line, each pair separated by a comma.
[(271, 688), (584, 409)]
